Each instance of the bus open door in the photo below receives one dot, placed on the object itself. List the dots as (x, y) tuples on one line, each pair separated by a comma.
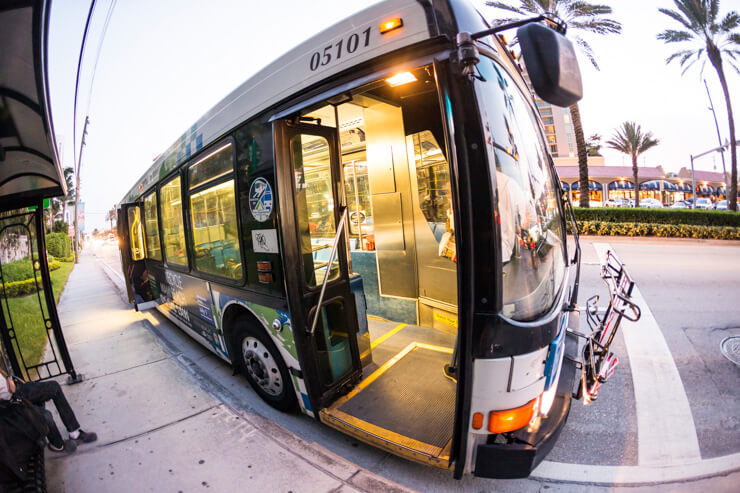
[(133, 257)]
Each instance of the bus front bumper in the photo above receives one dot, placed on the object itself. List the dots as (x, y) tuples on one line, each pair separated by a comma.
[(518, 460)]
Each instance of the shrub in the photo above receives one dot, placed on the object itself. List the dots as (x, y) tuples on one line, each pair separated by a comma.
[(58, 244), (660, 230), (17, 270), (27, 285), (658, 216), (60, 227)]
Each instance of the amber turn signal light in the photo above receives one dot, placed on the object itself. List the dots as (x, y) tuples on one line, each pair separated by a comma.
[(477, 421), (391, 25), (511, 419)]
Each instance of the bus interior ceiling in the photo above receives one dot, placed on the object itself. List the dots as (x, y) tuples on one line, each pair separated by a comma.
[(396, 185)]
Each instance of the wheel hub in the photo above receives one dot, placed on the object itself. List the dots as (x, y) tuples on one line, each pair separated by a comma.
[(261, 366)]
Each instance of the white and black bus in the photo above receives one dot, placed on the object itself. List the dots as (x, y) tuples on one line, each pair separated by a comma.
[(371, 230)]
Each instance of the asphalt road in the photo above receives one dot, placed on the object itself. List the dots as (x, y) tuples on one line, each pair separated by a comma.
[(692, 288)]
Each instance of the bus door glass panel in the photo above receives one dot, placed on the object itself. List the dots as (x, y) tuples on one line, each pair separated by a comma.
[(435, 229), (315, 172), (173, 234), (151, 227), (137, 276), (532, 235)]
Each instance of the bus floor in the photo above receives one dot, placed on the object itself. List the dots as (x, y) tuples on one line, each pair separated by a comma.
[(405, 403)]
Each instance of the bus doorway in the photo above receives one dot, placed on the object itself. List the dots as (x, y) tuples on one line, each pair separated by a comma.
[(394, 183)]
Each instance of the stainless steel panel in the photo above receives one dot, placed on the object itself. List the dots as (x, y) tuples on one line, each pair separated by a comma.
[(389, 185), (388, 218), (381, 168)]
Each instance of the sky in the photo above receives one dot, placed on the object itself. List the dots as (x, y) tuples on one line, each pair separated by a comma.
[(161, 65)]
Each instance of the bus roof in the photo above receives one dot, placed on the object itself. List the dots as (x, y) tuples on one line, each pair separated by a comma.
[(303, 66)]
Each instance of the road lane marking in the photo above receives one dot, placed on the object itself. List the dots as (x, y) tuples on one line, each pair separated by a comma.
[(636, 475), (666, 434)]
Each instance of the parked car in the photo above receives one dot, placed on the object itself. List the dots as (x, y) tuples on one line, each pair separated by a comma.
[(651, 203), (722, 205), (679, 205), (703, 203)]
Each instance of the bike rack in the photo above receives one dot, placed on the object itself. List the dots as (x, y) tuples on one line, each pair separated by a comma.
[(597, 361)]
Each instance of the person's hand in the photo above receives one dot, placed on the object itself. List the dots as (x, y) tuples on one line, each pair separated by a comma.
[(11, 384)]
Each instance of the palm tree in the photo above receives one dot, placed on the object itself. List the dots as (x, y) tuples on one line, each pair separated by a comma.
[(712, 37), (69, 173), (630, 140), (580, 16)]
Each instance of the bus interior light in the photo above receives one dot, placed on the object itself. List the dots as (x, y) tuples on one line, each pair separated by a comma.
[(400, 79), (391, 25), (511, 419)]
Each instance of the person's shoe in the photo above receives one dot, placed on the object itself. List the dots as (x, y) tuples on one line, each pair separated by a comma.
[(87, 437), (68, 446)]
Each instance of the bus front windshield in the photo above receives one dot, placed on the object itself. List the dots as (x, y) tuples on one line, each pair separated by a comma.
[(531, 240)]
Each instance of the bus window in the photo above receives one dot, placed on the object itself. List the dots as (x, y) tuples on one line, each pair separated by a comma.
[(315, 206), (151, 227), (172, 228), (532, 251), (215, 238), (214, 165), (136, 233)]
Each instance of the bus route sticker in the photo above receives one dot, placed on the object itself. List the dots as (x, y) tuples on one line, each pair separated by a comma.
[(260, 199)]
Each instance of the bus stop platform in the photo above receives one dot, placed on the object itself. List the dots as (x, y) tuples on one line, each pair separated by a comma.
[(159, 427)]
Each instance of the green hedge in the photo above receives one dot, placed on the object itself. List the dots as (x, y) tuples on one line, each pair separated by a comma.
[(59, 244), (658, 216), (25, 286), (660, 230), (71, 258)]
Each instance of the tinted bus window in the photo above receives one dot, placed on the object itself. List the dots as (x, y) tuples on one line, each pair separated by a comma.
[(151, 227), (173, 235), (532, 250), (214, 165), (215, 232)]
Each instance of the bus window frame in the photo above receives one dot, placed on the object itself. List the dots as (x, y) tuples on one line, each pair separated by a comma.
[(155, 191), (189, 233), (163, 182)]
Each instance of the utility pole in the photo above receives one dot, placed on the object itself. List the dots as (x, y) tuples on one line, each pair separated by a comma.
[(719, 139), (76, 246)]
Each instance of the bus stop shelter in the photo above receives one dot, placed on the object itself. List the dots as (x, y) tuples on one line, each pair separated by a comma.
[(30, 172)]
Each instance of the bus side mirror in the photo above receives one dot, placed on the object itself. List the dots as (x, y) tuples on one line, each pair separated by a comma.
[(551, 64)]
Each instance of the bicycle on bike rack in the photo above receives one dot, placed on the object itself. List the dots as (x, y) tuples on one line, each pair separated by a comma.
[(598, 362)]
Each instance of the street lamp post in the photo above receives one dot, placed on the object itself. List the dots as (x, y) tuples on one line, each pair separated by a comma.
[(719, 138), (76, 245)]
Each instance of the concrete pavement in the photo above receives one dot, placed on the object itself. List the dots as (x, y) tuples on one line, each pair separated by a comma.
[(167, 455), (158, 428)]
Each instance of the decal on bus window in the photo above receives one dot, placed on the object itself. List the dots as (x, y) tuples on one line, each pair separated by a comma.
[(265, 241), (260, 199)]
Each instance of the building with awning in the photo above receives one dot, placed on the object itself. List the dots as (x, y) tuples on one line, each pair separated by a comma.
[(616, 182)]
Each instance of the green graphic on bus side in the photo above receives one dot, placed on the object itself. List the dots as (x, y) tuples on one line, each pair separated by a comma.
[(266, 316)]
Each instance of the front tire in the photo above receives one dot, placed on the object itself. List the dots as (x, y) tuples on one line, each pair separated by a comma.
[(261, 363)]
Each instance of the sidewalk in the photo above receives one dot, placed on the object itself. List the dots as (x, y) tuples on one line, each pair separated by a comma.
[(158, 429)]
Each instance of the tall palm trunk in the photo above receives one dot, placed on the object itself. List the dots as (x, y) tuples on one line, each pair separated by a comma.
[(575, 116), (637, 181), (733, 150)]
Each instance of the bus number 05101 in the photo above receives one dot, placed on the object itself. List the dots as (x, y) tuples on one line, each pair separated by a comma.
[(335, 51)]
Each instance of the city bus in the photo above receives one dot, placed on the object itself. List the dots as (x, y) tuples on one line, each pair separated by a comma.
[(372, 232)]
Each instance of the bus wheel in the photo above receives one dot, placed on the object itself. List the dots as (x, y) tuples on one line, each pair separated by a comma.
[(263, 366)]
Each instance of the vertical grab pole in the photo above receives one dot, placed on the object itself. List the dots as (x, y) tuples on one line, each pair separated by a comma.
[(340, 230)]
